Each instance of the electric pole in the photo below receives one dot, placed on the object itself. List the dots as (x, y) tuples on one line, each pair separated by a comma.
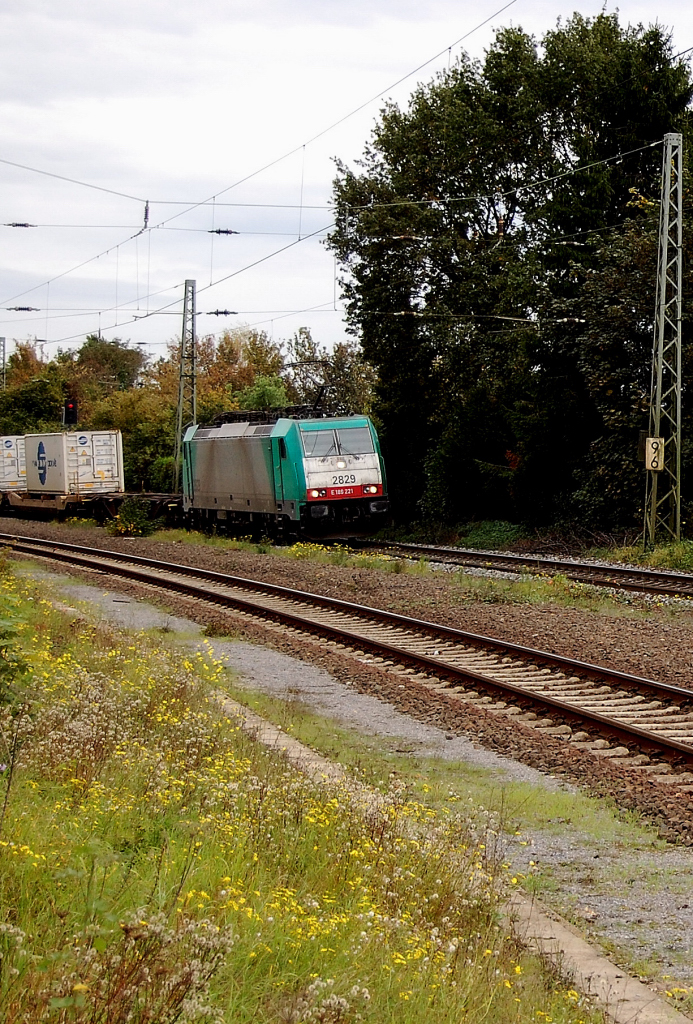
[(3, 367), (187, 388), (663, 446)]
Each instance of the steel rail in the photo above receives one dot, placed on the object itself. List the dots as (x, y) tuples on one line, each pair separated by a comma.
[(189, 580), (656, 581)]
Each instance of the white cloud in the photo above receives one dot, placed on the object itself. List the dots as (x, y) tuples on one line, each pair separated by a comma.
[(166, 100)]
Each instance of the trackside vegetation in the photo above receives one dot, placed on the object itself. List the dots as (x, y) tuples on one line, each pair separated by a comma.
[(115, 387), (677, 556), (158, 865)]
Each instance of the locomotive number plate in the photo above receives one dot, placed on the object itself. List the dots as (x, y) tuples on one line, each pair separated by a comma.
[(344, 478), (341, 492)]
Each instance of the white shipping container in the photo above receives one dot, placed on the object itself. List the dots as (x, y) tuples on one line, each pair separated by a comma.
[(12, 463), (87, 462)]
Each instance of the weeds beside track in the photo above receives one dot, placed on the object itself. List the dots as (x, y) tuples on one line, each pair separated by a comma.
[(157, 862)]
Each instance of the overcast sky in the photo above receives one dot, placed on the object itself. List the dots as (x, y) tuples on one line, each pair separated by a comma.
[(175, 103)]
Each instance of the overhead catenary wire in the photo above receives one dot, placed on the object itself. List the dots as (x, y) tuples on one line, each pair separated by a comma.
[(65, 273), (199, 231), (212, 284), (214, 198), (60, 312), (345, 117), (73, 181), (182, 202), (327, 227), (272, 163), (522, 187), (506, 241), (284, 156), (226, 277), (263, 259)]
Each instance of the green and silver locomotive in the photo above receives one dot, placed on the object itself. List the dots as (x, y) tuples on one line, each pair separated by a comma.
[(292, 476)]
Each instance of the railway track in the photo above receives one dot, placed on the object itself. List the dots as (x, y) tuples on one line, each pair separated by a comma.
[(636, 722), (653, 581)]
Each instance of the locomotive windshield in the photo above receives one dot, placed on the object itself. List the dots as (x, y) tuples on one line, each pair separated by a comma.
[(318, 443), (355, 441), (344, 441)]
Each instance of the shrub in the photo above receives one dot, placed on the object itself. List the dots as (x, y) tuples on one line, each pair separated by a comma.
[(133, 520), (489, 533)]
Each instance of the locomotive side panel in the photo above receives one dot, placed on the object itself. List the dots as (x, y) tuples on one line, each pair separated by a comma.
[(231, 473)]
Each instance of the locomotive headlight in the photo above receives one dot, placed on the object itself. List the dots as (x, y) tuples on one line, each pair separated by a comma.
[(341, 464), (370, 489), (314, 494)]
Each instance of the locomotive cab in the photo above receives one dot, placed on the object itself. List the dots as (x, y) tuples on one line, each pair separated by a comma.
[(343, 471)]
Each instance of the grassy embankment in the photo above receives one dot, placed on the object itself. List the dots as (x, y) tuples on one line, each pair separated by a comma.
[(590, 827), (157, 865), (677, 556)]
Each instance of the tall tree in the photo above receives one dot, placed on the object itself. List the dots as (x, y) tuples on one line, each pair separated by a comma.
[(465, 236), (338, 380)]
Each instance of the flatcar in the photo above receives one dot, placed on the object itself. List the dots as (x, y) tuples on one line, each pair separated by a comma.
[(310, 477)]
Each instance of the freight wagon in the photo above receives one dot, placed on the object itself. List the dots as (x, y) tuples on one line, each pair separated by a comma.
[(58, 470), (305, 476)]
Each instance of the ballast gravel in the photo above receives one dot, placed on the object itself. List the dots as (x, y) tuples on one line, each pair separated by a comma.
[(655, 645)]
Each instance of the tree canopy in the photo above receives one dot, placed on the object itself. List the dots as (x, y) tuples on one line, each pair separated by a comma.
[(117, 388), (498, 247)]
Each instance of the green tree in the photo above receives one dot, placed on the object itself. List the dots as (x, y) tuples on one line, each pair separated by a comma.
[(96, 369), (340, 380), (111, 365), (32, 407), (24, 365), (466, 236), (147, 422), (266, 392), (262, 355)]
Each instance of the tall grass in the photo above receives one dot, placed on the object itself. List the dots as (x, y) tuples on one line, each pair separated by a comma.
[(306, 551), (674, 555), (157, 865)]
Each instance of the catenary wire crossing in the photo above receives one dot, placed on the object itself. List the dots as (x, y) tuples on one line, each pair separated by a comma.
[(213, 199), (271, 255), (62, 314)]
